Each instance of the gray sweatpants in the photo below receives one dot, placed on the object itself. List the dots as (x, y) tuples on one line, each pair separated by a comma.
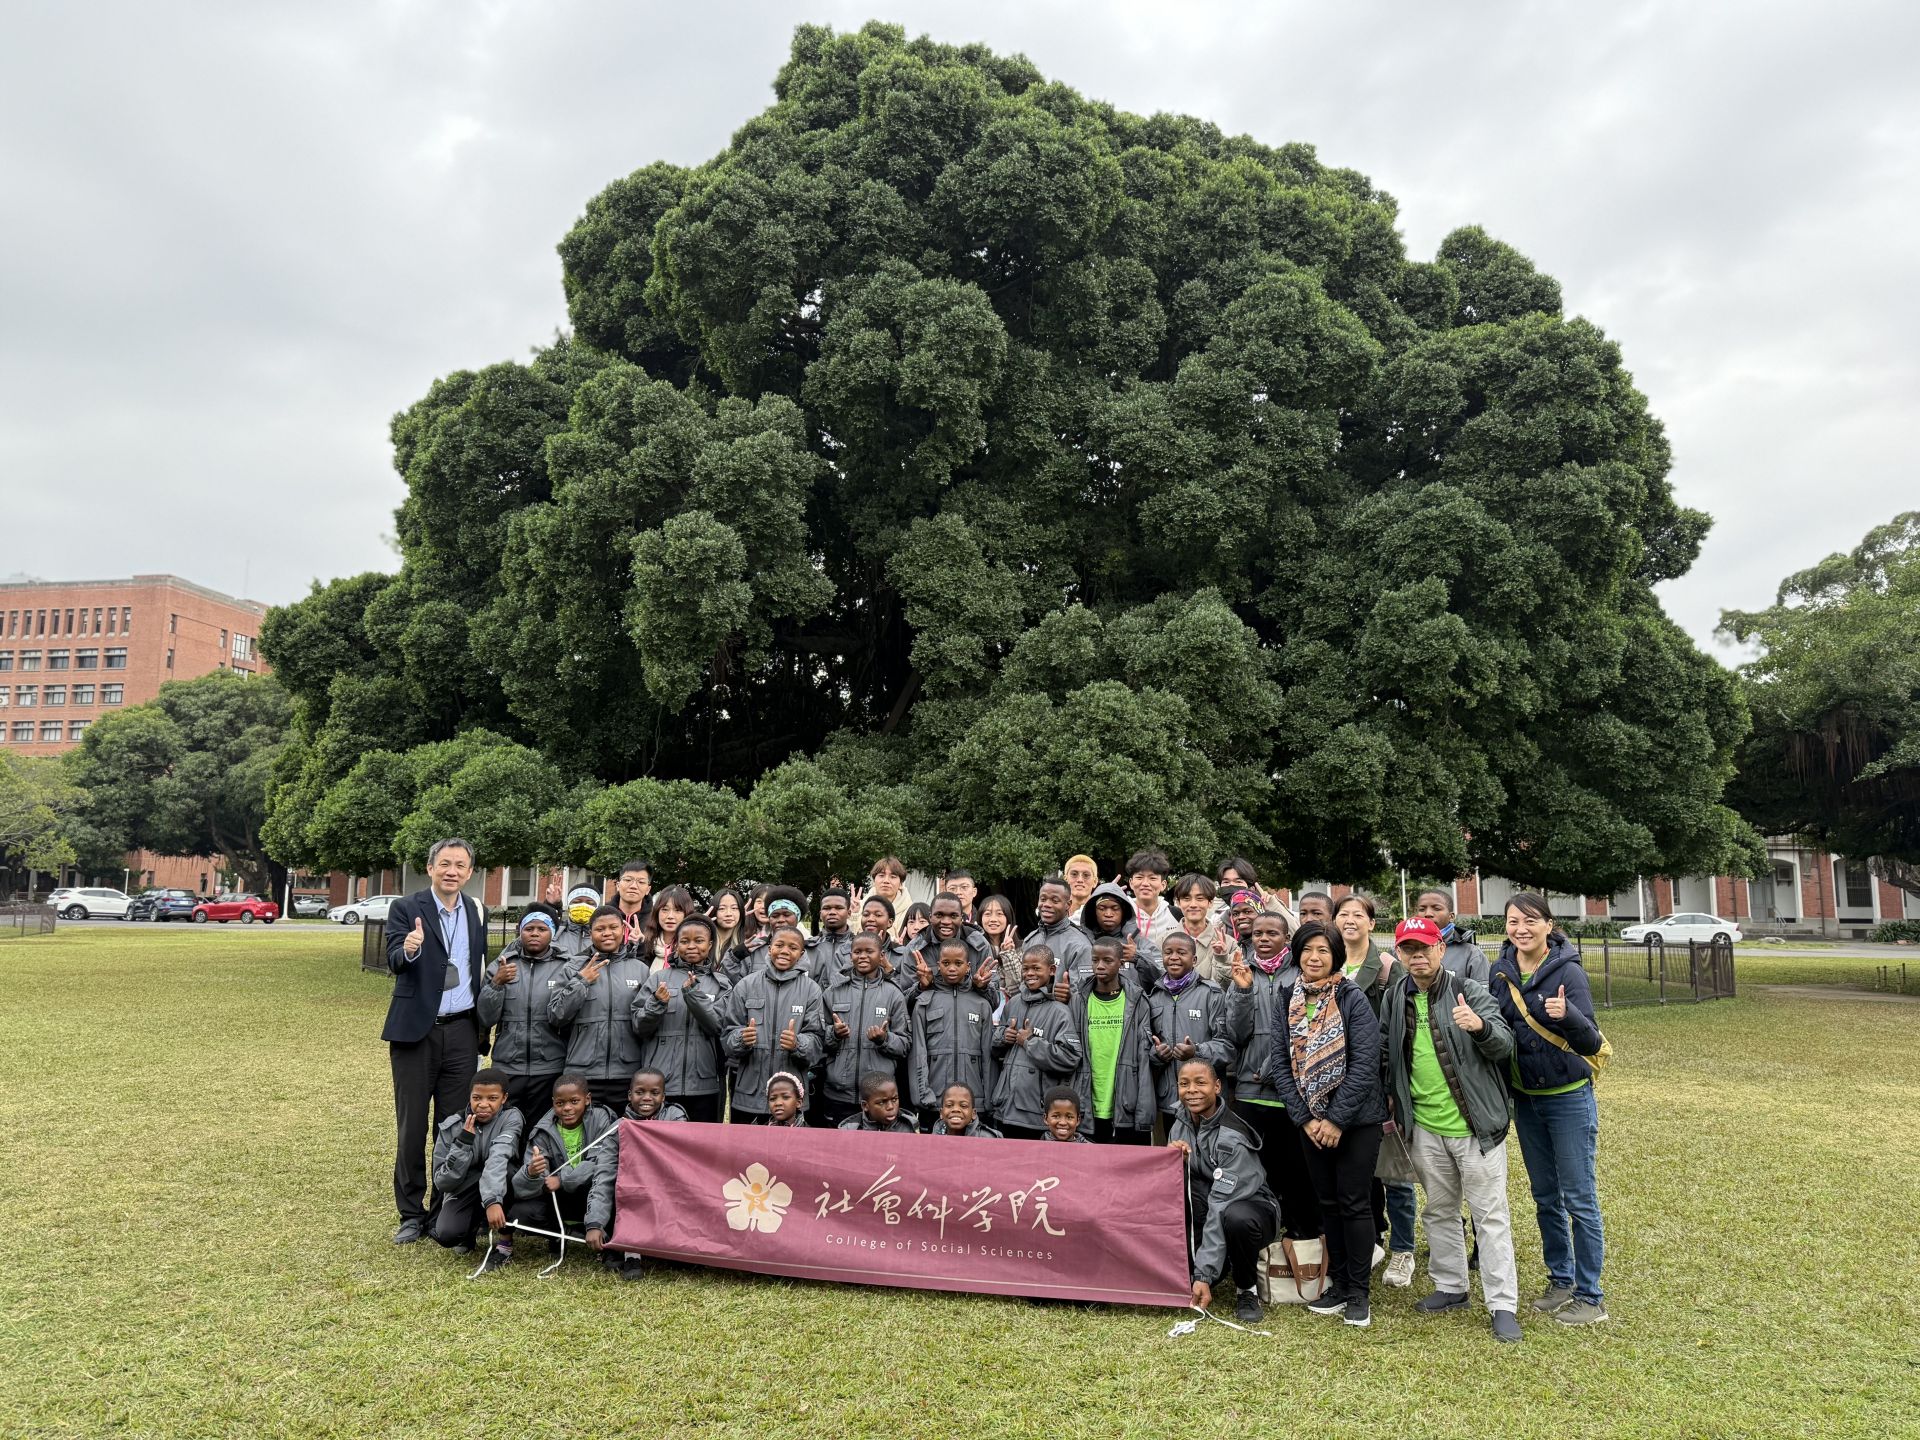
[(1453, 1170)]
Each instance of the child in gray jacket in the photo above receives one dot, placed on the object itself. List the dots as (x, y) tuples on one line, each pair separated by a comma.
[(1231, 1214), (1037, 1048), (473, 1157), (568, 1165), (775, 1022)]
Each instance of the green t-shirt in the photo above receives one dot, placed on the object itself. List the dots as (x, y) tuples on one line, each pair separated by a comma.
[(1105, 1020), (575, 1140), (1434, 1109)]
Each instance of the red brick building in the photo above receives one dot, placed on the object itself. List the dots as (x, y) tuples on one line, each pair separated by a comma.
[(72, 651)]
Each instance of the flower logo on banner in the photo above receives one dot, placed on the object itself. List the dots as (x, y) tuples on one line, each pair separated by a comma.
[(756, 1200)]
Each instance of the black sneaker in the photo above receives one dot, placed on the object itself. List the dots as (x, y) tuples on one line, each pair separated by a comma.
[(632, 1268), (1506, 1327), (1359, 1313), (1334, 1302), (554, 1247), (1247, 1308), (410, 1232), (498, 1258), (1441, 1301)]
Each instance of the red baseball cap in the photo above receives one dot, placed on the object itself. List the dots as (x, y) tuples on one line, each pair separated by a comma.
[(1418, 928)]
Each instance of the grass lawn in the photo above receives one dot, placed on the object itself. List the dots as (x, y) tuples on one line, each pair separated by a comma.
[(200, 1150)]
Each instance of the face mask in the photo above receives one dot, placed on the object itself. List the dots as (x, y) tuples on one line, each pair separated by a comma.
[(580, 914)]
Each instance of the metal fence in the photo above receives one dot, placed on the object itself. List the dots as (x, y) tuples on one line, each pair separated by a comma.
[(20, 917), (1657, 973), (373, 945)]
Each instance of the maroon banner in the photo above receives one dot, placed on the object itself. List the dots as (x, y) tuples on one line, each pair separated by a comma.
[(999, 1217)]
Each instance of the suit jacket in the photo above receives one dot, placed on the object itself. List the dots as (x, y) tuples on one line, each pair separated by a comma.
[(418, 982)]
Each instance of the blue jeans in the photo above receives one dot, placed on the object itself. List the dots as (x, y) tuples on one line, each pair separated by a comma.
[(1560, 1140), (1401, 1207)]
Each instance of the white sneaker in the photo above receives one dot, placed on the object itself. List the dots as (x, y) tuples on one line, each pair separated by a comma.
[(1399, 1271)]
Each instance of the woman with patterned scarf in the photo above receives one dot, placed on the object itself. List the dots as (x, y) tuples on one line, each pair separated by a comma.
[(1335, 1094)]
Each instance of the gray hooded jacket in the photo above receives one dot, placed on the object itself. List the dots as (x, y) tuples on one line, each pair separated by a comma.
[(1199, 1014), (862, 1004), (680, 1036), (1052, 1056), (598, 1020), (594, 1172), (484, 1158), (952, 1040), (525, 1040), (1223, 1166), (1135, 1105), (770, 998)]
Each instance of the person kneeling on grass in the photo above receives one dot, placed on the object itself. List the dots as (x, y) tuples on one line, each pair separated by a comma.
[(1232, 1215), (1063, 1116), (958, 1115), (566, 1166), (472, 1159), (879, 1106), (786, 1101)]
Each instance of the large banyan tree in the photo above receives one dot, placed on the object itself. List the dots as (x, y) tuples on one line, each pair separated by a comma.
[(958, 465)]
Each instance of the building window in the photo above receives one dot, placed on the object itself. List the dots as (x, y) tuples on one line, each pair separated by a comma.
[(112, 694), (69, 622), (23, 732), (56, 659), (6, 697), (26, 696), (242, 646), (126, 620), (51, 730), (173, 623), (116, 659), (29, 659), (169, 659), (56, 695), (39, 622), (77, 728), (86, 659), (96, 620), (13, 621), (6, 659), (113, 620), (223, 639), (83, 694)]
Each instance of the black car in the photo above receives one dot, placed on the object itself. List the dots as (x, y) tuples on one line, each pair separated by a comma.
[(162, 905)]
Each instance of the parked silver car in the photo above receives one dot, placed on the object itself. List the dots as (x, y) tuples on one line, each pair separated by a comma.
[(374, 907)]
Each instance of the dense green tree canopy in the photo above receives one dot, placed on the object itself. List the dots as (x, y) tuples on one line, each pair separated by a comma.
[(1051, 478), (1835, 693), (184, 774), (37, 802)]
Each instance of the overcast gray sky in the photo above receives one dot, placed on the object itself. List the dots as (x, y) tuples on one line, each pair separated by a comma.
[(238, 237)]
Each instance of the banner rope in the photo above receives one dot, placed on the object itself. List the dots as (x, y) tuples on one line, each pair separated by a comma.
[(1187, 1327), (559, 1220)]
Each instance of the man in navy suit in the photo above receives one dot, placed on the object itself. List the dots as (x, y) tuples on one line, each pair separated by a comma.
[(437, 950)]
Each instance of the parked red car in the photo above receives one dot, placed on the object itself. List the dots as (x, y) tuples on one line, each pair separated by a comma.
[(244, 908)]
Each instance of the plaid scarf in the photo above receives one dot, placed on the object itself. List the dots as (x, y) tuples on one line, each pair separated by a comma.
[(1319, 1045)]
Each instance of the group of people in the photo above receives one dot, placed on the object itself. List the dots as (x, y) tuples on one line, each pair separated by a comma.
[(1311, 1076)]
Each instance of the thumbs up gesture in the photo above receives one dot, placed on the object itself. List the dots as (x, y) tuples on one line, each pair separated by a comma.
[(1557, 1004), (750, 1034), (1063, 987), (416, 937), (536, 1163), (789, 1039), (1465, 1017), (840, 1029)]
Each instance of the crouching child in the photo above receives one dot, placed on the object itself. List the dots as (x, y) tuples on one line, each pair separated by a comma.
[(1231, 1214), (959, 1115), (473, 1158), (567, 1166), (879, 1106)]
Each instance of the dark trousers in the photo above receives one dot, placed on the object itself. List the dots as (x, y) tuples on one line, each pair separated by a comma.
[(1249, 1226), (537, 1210), (431, 1078), (1020, 1132), (700, 1107), (1343, 1179), (1282, 1154), (831, 1112), (1105, 1134), (532, 1095), (607, 1090), (458, 1216)]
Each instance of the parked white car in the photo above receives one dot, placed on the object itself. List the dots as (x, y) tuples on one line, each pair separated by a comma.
[(374, 907), (1680, 928), (79, 903)]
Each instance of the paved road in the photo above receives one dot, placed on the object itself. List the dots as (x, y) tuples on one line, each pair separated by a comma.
[(214, 927)]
